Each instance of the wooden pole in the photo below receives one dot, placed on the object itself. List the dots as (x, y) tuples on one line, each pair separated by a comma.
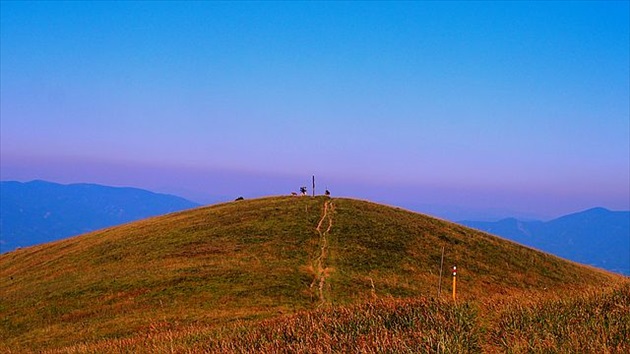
[(441, 267), (313, 186)]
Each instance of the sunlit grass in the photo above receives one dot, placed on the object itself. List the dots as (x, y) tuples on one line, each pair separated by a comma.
[(182, 277), (591, 321)]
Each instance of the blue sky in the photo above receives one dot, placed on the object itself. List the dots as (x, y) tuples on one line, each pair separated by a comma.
[(520, 106)]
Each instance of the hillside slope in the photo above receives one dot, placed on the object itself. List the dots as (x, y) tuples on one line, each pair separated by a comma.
[(255, 259), (38, 211)]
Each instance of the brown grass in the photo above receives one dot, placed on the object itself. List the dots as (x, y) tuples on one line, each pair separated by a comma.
[(186, 274), (592, 321)]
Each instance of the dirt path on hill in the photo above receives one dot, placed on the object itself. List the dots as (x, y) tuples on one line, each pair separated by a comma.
[(319, 266)]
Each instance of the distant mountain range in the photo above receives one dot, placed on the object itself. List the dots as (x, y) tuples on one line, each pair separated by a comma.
[(39, 211), (597, 236)]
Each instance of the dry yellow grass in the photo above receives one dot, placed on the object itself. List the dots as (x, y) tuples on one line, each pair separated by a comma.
[(252, 260), (590, 321)]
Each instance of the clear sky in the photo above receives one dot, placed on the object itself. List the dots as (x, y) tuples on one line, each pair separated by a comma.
[(520, 106)]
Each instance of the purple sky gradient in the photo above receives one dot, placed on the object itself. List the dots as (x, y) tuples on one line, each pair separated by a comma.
[(512, 106)]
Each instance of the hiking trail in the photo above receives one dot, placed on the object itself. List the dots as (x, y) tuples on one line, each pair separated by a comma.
[(319, 266)]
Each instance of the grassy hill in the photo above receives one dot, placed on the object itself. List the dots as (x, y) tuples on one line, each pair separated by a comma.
[(255, 260)]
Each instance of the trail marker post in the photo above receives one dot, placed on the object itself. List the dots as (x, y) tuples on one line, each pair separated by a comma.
[(454, 281)]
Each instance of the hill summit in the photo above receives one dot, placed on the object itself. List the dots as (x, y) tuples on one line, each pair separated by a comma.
[(256, 259)]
